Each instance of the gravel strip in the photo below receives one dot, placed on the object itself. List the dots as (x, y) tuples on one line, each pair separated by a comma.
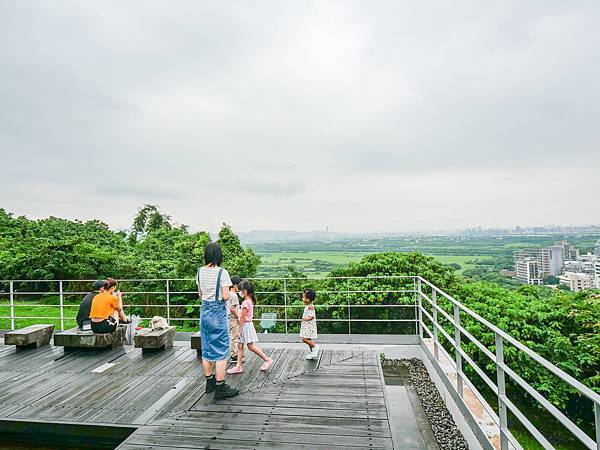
[(444, 429)]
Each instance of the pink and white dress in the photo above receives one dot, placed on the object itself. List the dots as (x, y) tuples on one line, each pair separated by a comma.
[(248, 333)]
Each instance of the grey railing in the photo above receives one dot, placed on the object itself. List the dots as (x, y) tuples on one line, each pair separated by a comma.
[(430, 294), (435, 315), (345, 291)]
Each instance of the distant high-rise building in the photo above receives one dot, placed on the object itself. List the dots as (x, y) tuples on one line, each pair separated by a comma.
[(569, 252), (597, 274), (527, 271), (549, 262), (577, 281)]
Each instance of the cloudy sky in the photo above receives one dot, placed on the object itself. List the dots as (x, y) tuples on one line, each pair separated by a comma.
[(292, 115)]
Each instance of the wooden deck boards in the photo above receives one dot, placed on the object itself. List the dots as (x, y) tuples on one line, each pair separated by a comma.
[(334, 402)]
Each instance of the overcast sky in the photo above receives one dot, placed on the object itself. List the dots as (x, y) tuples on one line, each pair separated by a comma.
[(366, 116)]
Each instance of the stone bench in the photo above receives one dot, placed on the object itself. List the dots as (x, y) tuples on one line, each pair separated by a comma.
[(196, 343), (74, 339), (152, 340), (30, 337)]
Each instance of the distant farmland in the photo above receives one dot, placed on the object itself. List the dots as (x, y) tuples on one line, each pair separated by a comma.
[(320, 263)]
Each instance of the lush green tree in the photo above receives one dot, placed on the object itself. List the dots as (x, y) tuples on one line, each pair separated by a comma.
[(237, 259), (149, 218)]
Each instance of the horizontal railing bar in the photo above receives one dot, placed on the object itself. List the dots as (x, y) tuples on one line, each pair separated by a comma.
[(475, 391), (447, 316), (472, 363), (527, 423), (568, 424), (481, 347), (256, 320), (184, 305), (123, 280), (341, 292), (508, 338)]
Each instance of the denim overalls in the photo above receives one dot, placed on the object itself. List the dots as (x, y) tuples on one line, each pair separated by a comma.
[(213, 327)]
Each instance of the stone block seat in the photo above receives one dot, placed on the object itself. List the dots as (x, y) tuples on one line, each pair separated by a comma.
[(152, 340), (196, 343), (74, 339), (30, 337)]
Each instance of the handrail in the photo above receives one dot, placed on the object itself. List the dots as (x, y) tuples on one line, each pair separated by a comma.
[(539, 359)]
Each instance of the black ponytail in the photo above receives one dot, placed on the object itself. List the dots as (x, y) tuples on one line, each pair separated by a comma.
[(245, 284)]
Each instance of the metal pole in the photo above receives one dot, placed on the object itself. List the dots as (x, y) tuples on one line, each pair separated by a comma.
[(285, 304), (168, 303), (502, 393), (597, 420), (420, 305), (62, 311), (348, 299), (459, 371), (12, 305), (436, 350)]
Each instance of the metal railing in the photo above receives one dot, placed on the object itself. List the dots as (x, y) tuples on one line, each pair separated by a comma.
[(503, 372), (167, 294), (434, 315)]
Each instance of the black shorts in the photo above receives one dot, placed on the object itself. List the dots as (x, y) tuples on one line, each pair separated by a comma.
[(106, 326)]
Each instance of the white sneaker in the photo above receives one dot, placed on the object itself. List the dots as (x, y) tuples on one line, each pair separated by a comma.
[(315, 352)]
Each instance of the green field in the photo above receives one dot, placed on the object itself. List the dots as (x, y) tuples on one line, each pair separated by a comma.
[(320, 263)]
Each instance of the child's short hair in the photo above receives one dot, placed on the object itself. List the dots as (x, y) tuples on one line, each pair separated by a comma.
[(310, 294)]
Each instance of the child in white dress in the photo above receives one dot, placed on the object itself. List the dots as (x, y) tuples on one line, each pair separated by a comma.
[(308, 328)]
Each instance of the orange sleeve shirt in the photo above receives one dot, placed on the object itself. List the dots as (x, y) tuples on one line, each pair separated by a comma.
[(103, 305)]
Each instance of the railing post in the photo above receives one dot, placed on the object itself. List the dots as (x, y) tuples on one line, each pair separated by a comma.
[(12, 305), (436, 350), (168, 302), (597, 420), (348, 299), (62, 311), (420, 306), (458, 357), (502, 393), (285, 314)]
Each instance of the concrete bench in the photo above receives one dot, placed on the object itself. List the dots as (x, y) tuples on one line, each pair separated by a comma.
[(30, 337), (151, 340), (74, 339), (196, 343)]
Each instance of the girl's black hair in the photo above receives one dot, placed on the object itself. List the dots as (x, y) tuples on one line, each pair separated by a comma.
[(213, 254), (245, 284), (310, 294), (110, 282)]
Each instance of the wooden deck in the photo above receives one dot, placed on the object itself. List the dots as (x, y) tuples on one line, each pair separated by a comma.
[(334, 402)]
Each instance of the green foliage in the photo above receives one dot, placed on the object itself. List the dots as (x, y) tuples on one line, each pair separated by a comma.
[(149, 218), (237, 260), (57, 249)]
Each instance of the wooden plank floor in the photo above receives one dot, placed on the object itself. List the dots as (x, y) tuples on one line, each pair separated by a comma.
[(334, 402)]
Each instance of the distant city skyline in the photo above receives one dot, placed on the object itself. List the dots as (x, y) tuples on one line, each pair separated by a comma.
[(366, 117)]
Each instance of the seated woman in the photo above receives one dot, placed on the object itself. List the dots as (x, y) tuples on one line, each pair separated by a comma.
[(107, 309)]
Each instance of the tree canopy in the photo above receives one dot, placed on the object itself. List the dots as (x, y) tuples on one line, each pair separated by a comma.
[(56, 249)]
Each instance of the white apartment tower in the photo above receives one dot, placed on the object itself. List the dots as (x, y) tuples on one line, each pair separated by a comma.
[(528, 271), (549, 262)]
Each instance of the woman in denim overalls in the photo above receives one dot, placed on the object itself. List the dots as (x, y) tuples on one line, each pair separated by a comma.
[(213, 288)]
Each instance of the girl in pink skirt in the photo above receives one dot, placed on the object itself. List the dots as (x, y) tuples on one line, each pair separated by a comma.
[(247, 333)]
